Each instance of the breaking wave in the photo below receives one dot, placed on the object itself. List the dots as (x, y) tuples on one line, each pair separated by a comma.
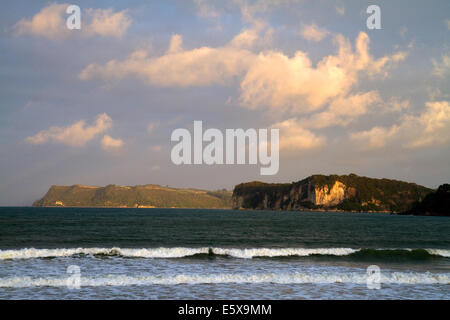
[(292, 278), (249, 253)]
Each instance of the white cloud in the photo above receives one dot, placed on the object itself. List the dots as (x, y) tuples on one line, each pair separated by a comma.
[(313, 32), (294, 137), (375, 138), (252, 7), (435, 94), (206, 9), (432, 127), (440, 69), (268, 79), (396, 105), (50, 22), (246, 39), (110, 144), (435, 123), (447, 23), (345, 110), (152, 126), (342, 110), (340, 10), (204, 66), (294, 84), (402, 31), (107, 23), (176, 44), (76, 135)]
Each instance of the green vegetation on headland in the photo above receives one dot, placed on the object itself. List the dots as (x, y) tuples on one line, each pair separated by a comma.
[(317, 192), (434, 204), (333, 192), (146, 196)]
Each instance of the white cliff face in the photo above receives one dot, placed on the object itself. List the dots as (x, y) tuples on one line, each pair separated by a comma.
[(329, 197)]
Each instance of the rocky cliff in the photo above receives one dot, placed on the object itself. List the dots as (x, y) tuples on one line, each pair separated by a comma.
[(346, 192)]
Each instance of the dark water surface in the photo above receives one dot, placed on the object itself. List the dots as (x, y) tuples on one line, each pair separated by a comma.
[(189, 253)]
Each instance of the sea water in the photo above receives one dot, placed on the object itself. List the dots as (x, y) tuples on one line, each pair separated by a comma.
[(220, 254)]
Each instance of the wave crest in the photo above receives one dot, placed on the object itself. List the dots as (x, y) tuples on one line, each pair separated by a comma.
[(249, 253), (293, 278)]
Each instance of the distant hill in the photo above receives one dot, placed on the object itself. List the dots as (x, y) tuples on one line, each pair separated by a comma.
[(145, 196), (333, 192), (435, 204)]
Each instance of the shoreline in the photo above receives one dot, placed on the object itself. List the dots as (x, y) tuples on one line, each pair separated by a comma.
[(222, 208)]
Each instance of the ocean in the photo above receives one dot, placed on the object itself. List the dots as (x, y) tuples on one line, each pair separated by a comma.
[(90, 253)]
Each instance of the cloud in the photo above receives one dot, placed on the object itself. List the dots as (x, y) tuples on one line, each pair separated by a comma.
[(447, 23), (402, 31), (268, 79), (50, 22), (176, 44), (203, 66), (107, 23), (313, 33), (110, 144), (152, 126), (342, 110), (340, 10), (440, 69), (294, 84), (434, 123), (206, 9), (253, 7), (374, 138), (373, 66), (347, 109), (76, 135), (396, 105), (156, 148), (432, 127), (293, 137), (246, 39)]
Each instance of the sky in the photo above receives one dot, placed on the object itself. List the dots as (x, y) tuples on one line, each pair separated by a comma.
[(97, 106)]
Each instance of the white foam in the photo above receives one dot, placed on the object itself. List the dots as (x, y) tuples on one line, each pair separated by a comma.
[(179, 252), (283, 252), (439, 252), (294, 278)]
